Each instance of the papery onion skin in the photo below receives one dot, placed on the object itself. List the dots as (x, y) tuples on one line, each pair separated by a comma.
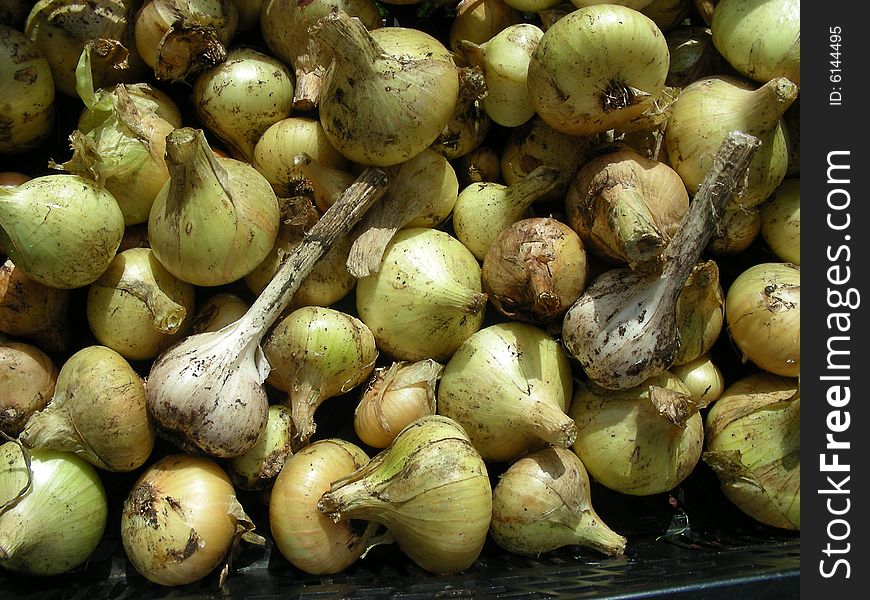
[(27, 380), (59, 522), (627, 445), (622, 60), (762, 311), (509, 386), (427, 297), (307, 538), (180, 520)]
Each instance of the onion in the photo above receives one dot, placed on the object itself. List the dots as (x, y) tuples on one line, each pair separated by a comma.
[(137, 307), (40, 535), (542, 502), (97, 411), (26, 93), (700, 312), (304, 536), (61, 230), (27, 379), (257, 468), (762, 309), (479, 165), (667, 14), (215, 219), (693, 55), (181, 519), (509, 386), (781, 221), (426, 299), (438, 511), (218, 311), (479, 20), (597, 68), (243, 96), (32, 310), (753, 446), (317, 353), (702, 379), (469, 125), (738, 228), (388, 94), (535, 269), (284, 26), (639, 441)]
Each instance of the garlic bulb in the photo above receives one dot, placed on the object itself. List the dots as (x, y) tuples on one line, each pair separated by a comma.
[(243, 96), (700, 312), (27, 96), (310, 540), (781, 221), (702, 379), (215, 219), (60, 230), (623, 329), (760, 38), (708, 109), (284, 26), (34, 311), (626, 207), (482, 210), (422, 194), (596, 68), (27, 379), (509, 386), (97, 411), (182, 519), (388, 94), (763, 309), (542, 502), (737, 229), (39, 533), (638, 441), (181, 38), (137, 307), (62, 28), (317, 353), (535, 270), (753, 446), (426, 299), (438, 511), (479, 20), (257, 468), (504, 59), (395, 397)]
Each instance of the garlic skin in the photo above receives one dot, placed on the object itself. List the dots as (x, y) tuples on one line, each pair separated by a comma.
[(257, 468), (759, 38), (137, 307), (639, 441), (439, 507), (243, 96), (97, 411), (597, 68), (427, 297), (708, 109), (395, 397), (509, 386), (753, 446), (27, 97), (307, 538), (27, 380), (542, 502), (627, 208), (781, 221)]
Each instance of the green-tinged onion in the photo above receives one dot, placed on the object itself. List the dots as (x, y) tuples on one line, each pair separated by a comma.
[(781, 221), (257, 468)]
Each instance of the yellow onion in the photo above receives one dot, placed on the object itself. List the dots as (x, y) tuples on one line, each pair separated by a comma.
[(597, 68), (426, 299), (781, 221), (700, 312), (27, 379), (310, 540), (429, 488), (181, 520), (762, 310), (257, 468), (137, 307), (53, 510), (97, 411), (469, 125), (32, 310), (217, 311), (479, 20), (753, 446), (543, 502), (638, 441), (693, 55), (509, 386), (479, 165), (395, 397), (702, 378), (667, 14), (737, 229)]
